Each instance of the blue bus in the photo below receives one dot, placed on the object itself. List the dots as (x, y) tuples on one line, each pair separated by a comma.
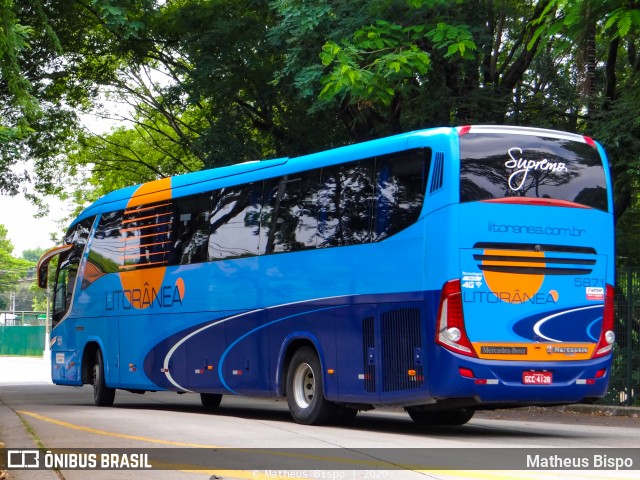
[(446, 271)]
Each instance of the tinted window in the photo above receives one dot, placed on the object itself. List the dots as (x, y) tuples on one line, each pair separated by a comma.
[(235, 222), (348, 204), (345, 204), (107, 246), (68, 264), (502, 165), (289, 215), (400, 185), (190, 232), (147, 229)]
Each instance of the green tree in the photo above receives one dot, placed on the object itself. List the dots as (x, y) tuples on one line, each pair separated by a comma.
[(205, 83), (600, 40), (204, 92), (33, 254), (12, 270), (55, 56)]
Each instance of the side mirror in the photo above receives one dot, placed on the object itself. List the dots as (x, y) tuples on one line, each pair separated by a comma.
[(43, 263)]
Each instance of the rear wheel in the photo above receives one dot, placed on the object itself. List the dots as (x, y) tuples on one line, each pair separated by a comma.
[(210, 401), (305, 390), (432, 418), (103, 396), (344, 415)]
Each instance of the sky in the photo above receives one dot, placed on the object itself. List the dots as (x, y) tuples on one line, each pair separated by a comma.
[(25, 231), (17, 214)]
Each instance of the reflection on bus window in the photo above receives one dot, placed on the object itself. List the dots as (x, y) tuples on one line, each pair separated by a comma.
[(235, 222)]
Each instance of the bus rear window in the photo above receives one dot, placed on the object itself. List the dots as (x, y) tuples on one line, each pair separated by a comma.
[(502, 165)]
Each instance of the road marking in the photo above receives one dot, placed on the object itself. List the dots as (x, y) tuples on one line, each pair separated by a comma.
[(113, 434), (263, 474)]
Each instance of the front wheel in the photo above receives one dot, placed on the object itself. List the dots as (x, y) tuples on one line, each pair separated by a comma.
[(305, 390), (103, 396)]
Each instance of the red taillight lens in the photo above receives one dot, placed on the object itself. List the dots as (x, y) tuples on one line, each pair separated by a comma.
[(464, 130), (589, 141), (451, 332), (607, 334)]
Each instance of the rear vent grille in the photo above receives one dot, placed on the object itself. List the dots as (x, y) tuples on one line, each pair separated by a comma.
[(530, 259), (368, 347), (535, 247), (401, 345), (437, 178)]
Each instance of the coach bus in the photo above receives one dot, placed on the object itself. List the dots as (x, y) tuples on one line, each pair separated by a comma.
[(445, 271)]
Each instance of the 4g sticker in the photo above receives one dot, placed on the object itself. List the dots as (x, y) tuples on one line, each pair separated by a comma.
[(471, 280)]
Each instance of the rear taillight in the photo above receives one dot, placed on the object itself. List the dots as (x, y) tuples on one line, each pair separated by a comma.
[(589, 141), (607, 334), (464, 130), (451, 332)]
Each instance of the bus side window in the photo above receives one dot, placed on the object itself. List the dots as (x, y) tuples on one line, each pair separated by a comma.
[(191, 229), (345, 204), (147, 231), (60, 295), (235, 222), (289, 220), (400, 188), (105, 255)]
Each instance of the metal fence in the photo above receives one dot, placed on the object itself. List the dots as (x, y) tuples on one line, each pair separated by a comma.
[(23, 319), (22, 333), (22, 341), (624, 384)]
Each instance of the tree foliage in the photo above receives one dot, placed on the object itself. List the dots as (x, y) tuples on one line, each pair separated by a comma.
[(12, 270), (205, 83)]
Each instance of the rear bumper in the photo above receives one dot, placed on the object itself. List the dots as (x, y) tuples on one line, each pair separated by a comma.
[(501, 382)]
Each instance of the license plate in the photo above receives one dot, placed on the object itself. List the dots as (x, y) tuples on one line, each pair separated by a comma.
[(537, 378)]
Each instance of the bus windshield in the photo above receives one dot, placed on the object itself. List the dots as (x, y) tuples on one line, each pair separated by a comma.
[(503, 165)]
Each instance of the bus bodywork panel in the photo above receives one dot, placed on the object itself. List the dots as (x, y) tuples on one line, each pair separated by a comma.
[(196, 312), (533, 281)]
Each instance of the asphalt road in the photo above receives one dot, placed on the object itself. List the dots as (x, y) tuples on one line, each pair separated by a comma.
[(34, 412)]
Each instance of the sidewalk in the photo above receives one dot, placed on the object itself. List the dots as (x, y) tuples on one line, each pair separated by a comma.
[(21, 371), (24, 370)]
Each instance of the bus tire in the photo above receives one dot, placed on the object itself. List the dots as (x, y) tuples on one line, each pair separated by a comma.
[(462, 416), (103, 396), (433, 418), (305, 390), (210, 401), (344, 415)]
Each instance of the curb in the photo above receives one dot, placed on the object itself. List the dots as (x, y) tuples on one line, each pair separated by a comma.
[(606, 410), (13, 434), (596, 410)]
